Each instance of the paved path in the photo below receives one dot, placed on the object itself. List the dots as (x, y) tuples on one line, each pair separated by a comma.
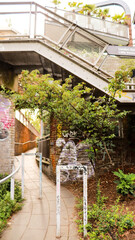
[(37, 219)]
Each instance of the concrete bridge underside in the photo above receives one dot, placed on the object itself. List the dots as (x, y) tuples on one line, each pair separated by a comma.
[(36, 54)]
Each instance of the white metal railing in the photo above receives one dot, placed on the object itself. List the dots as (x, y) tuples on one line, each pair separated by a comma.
[(31, 13), (94, 23), (58, 170), (34, 21), (130, 86), (12, 179)]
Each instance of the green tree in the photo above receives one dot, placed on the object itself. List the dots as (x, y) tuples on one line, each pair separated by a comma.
[(93, 118)]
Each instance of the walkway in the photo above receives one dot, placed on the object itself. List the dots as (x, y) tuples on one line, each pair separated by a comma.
[(37, 219)]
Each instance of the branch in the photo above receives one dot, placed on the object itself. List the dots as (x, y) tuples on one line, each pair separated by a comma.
[(108, 154)]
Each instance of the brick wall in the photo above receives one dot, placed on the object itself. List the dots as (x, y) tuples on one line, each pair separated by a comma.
[(22, 135)]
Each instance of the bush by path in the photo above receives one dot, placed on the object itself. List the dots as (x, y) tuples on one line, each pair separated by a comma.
[(8, 206)]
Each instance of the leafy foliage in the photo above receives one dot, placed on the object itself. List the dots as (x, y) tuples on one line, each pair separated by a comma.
[(77, 108), (106, 223), (122, 76), (120, 18), (74, 4), (103, 13), (91, 9), (8, 206), (56, 2), (87, 9), (126, 183)]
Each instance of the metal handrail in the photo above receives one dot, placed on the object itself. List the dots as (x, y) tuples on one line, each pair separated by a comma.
[(12, 179), (53, 16), (77, 13), (12, 174), (74, 28)]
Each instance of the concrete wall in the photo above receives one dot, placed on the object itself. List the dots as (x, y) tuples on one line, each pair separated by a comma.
[(7, 76), (22, 135)]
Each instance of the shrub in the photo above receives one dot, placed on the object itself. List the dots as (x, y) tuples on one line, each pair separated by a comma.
[(106, 223), (8, 206), (126, 183)]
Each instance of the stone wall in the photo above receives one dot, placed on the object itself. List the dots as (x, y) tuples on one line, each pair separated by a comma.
[(22, 135)]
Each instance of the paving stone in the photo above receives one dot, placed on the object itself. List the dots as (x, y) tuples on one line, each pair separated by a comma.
[(38, 222), (33, 234), (37, 219), (13, 233)]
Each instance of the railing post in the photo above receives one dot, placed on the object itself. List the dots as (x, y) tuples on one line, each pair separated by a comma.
[(35, 24), (12, 185), (22, 175), (84, 199), (30, 20), (57, 201), (40, 172)]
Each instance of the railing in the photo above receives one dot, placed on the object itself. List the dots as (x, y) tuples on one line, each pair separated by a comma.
[(34, 21), (12, 179), (95, 24), (130, 86)]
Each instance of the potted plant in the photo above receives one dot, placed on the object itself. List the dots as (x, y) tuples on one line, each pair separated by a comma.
[(103, 13), (74, 5), (88, 9), (120, 18), (56, 2)]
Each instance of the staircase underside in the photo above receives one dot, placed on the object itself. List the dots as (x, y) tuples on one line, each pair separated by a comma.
[(31, 54)]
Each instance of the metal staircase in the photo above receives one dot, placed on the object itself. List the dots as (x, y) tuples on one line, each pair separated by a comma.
[(46, 36)]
